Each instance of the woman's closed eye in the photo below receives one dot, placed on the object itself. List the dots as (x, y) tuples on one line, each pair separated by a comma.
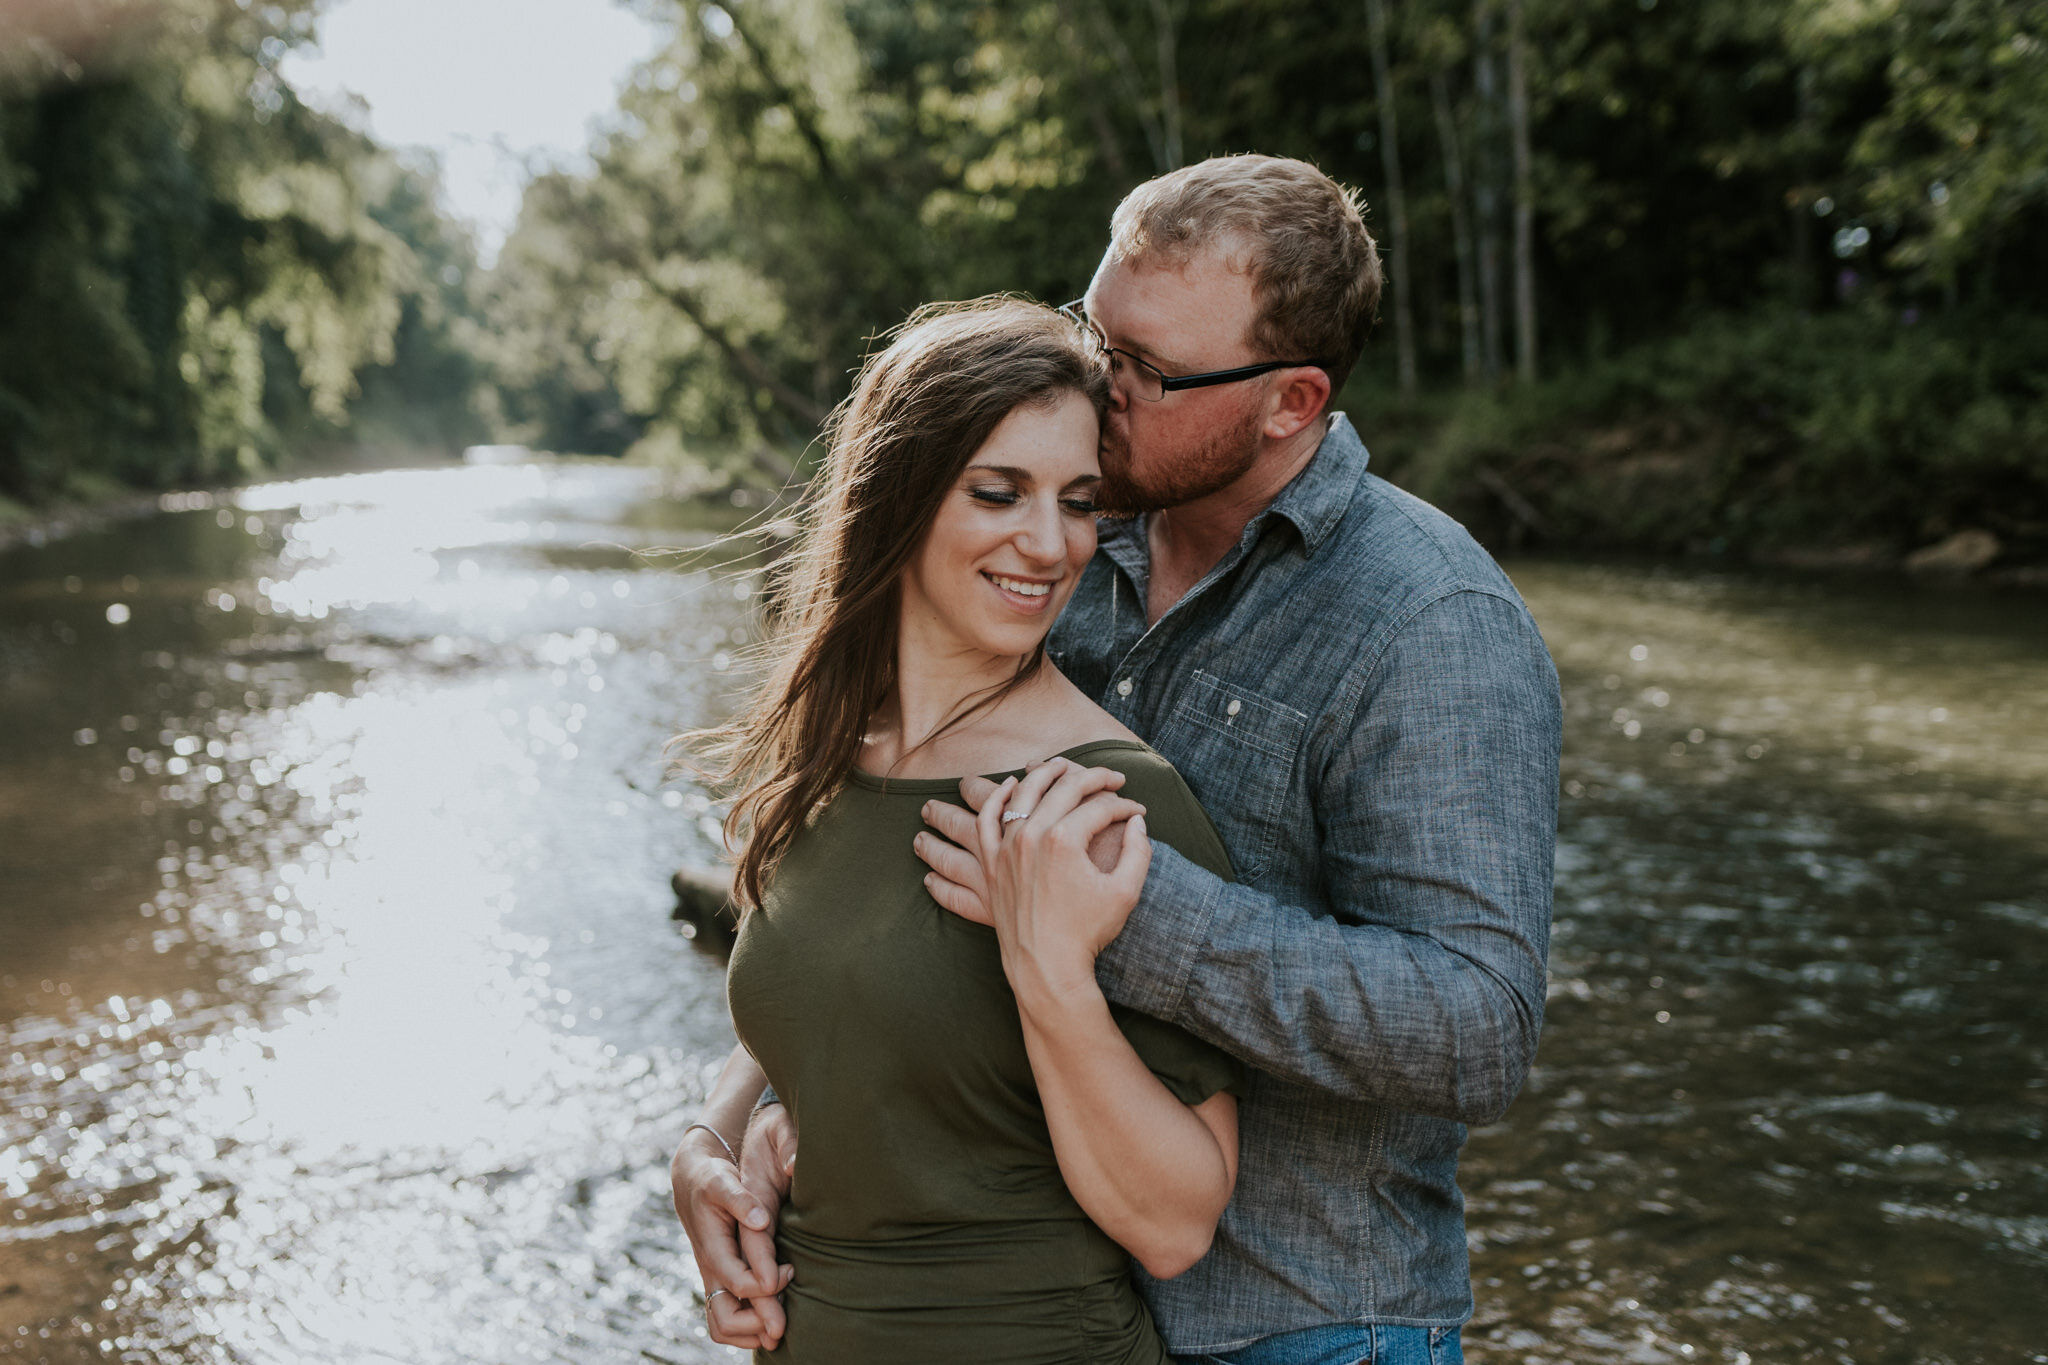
[(1076, 504)]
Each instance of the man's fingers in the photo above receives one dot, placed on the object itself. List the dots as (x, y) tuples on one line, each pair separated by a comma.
[(1128, 880), (1105, 847), (974, 791), (954, 823), (950, 860), (765, 1281), (958, 900)]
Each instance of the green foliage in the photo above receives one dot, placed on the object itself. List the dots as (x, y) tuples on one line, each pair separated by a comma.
[(193, 264), (1736, 207), (1758, 432)]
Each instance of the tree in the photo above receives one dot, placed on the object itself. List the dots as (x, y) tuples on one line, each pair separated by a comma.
[(189, 257), (1397, 199)]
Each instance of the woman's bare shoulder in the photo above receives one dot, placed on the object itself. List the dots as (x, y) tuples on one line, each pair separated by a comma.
[(1076, 719)]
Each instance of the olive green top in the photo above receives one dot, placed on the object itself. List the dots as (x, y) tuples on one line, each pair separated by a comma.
[(928, 1223)]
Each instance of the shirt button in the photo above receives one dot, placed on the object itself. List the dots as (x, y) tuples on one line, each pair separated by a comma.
[(1123, 689), (1234, 707)]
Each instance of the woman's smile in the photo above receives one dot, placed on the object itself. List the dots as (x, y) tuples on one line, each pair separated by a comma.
[(1025, 594)]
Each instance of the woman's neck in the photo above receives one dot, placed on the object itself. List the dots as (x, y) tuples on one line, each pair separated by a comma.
[(938, 679)]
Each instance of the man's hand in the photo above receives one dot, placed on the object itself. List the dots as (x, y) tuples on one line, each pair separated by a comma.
[(956, 880), (730, 1221)]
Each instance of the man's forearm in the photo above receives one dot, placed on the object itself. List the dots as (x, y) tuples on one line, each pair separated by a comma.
[(1359, 1010)]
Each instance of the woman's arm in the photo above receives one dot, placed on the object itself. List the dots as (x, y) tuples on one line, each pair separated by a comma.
[(729, 1219), (1152, 1172)]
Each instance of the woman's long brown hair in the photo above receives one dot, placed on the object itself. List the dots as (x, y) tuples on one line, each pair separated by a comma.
[(919, 411)]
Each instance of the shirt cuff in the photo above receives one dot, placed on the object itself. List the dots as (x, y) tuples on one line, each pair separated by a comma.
[(1147, 966)]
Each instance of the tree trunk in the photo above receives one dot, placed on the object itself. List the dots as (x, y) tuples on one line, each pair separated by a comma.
[(1133, 85), (1397, 199), (1486, 197), (1525, 197), (1461, 223), (1166, 17), (1106, 142)]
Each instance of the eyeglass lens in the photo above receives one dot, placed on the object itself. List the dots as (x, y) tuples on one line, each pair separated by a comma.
[(1136, 377)]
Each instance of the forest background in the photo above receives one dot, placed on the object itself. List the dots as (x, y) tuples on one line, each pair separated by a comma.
[(1712, 276)]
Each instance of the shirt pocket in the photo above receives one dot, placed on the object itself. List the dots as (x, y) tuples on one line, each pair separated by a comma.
[(1236, 750)]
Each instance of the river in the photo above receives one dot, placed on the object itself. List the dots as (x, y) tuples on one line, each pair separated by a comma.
[(344, 1020)]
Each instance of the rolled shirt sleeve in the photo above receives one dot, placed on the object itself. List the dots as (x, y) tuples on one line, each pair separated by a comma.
[(1419, 981)]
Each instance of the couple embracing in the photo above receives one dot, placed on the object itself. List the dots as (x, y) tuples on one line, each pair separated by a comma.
[(1136, 910)]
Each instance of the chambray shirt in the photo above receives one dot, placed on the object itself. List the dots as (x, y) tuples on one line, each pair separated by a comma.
[(1362, 703)]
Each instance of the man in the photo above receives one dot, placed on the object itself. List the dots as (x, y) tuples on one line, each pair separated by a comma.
[(1361, 702)]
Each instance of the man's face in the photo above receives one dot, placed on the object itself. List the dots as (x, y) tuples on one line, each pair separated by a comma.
[(1183, 319)]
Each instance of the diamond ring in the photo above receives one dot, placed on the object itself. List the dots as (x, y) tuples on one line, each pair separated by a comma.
[(1010, 815)]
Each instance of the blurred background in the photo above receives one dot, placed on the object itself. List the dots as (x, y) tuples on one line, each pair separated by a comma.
[(341, 1013)]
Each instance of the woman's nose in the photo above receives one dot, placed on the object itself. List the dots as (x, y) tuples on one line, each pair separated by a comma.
[(1041, 538)]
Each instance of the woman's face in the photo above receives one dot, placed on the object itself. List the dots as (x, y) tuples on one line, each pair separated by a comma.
[(1012, 537)]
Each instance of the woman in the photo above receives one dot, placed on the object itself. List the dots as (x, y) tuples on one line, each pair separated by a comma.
[(986, 1144)]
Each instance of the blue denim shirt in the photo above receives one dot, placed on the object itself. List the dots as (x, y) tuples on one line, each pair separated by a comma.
[(1363, 704)]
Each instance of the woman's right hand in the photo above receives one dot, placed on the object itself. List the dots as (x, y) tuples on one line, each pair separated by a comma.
[(729, 1215)]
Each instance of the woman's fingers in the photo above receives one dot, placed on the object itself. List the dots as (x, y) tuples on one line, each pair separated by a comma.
[(760, 1249), (989, 822), (1074, 785), (715, 1206), (735, 1321), (1031, 790), (768, 1156)]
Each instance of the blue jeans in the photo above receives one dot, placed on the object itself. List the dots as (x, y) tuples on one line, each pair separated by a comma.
[(1349, 1344)]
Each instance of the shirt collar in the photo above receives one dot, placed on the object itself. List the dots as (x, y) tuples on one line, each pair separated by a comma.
[(1314, 501)]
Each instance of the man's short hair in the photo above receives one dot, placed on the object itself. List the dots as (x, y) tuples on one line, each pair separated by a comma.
[(1315, 268)]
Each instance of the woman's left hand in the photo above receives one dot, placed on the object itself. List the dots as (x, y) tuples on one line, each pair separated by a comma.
[(1052, 908)]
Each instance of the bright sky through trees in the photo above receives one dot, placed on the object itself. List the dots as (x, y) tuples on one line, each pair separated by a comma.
[(490, 86)]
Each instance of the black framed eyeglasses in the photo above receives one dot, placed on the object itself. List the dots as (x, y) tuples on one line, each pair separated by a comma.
[(1148, 381)]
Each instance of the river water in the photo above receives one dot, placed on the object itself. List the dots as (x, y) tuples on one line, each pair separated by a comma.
[(344, 1020)]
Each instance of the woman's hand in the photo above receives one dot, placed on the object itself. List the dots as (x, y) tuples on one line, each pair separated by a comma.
[(730, 1227), (1052, 908), (728, 1208)]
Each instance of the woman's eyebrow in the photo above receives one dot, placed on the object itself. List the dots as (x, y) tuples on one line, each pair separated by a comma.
[(1007, 471), (1080, 479)]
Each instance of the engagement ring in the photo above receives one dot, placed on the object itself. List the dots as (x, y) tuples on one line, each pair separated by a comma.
[(1010, 815)]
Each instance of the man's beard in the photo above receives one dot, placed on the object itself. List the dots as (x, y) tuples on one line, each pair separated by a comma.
[(1173, 480)]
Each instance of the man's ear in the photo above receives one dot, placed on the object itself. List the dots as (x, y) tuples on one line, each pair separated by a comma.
[(1301, 396)]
